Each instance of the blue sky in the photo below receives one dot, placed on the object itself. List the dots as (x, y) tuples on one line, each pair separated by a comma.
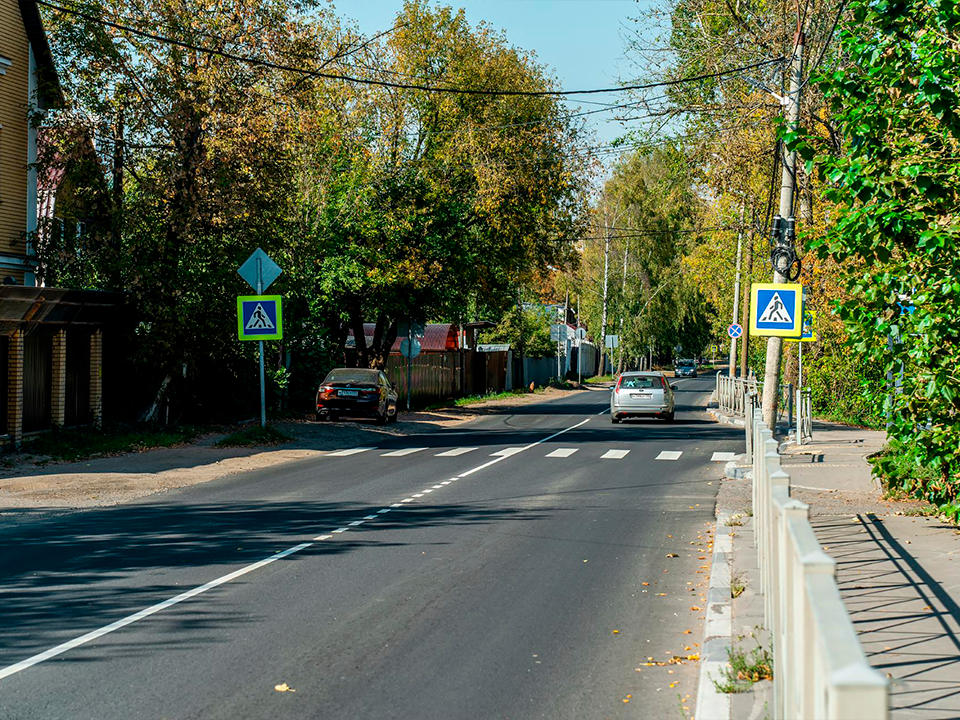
[(581, 40)]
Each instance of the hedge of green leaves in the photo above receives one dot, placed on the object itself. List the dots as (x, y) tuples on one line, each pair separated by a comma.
[(897, 176)]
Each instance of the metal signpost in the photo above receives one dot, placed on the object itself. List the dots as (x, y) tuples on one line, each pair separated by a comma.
[(260, 317), (410, 348)]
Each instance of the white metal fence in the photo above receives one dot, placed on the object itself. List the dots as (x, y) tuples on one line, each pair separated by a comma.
[(820, 670), (733, 394), (804, 416)]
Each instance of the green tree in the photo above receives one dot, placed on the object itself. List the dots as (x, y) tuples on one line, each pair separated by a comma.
[(897, 183)]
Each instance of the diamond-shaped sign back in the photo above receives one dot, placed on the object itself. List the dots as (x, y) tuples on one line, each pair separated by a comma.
[(259, 263)]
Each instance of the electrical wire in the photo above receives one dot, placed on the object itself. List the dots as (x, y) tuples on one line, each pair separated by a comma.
[(388, 84)]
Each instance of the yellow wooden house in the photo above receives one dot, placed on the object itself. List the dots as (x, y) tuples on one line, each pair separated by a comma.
[(51, 339)]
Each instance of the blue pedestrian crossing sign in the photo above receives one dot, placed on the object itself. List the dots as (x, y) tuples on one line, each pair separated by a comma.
[(776, 309), (260, 317), (808, 331)]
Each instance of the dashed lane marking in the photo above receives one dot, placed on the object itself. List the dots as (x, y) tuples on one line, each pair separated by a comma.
[(506, 452), (147, 612), (669, 455), (454, 452), (722, 456), (614, 454), (562, 452), (350, 451), (401, 453)]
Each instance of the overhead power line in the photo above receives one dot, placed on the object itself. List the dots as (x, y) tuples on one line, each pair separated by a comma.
[(389, 84)]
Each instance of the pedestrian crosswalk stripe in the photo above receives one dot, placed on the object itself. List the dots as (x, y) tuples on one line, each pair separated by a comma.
[(722, 456), (350, 451), (614, 454), (506, 452), (669, 455), (401, 453), (453, 452), (562, 452)]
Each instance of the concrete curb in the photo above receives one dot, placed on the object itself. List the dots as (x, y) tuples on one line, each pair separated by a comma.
[(727, 419), (712, 704)]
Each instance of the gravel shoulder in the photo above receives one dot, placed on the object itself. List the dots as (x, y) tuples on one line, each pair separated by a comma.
[(125, 478)]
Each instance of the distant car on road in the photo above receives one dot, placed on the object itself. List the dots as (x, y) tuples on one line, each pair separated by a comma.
[(685, 368), (357, 392), (639, 394)]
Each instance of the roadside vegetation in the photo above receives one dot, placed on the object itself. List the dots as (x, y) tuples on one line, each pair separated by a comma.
[(86, 443), (254, 436), (745, 667)]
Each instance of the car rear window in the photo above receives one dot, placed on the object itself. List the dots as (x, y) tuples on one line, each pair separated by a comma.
[(640, 382), (351, 375)]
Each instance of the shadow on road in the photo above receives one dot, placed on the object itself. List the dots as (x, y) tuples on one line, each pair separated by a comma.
[(74, 574)]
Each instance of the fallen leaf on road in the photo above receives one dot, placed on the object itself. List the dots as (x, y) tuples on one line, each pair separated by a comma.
[(283, 687), (687, 632), (616, 632), (672, 555), (695, 608)]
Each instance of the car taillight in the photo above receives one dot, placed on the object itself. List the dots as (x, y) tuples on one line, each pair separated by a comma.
[(617, 388), (370, 391), (663, 383), (325, 391)]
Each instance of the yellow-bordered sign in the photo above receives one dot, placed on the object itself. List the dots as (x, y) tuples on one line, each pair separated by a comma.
[(776, 309), (260, 317), (809, 333)]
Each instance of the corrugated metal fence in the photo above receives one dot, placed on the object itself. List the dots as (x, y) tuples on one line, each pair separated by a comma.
[(435, 375)]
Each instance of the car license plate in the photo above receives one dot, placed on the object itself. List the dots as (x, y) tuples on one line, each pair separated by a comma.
[(641, 396), (348, 393)]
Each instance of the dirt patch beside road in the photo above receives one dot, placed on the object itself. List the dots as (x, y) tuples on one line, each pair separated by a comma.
[(123, 478)]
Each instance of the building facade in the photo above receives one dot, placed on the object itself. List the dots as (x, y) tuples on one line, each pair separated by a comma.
[(51, 339)]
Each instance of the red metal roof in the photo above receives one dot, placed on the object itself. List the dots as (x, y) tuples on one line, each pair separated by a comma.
[(437, 337)]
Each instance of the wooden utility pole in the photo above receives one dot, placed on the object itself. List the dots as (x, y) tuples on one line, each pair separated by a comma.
[(736, 295), (745, 315)]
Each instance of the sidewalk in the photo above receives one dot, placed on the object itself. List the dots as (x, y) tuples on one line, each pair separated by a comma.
[(898, 572)]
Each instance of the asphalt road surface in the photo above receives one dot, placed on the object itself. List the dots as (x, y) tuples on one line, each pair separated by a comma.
[(515, 567)]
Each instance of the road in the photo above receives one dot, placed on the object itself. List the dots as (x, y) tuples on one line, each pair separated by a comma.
[(462, 583)]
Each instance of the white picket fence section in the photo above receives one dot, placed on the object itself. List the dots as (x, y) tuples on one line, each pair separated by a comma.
[(733, 394), (820, 670)]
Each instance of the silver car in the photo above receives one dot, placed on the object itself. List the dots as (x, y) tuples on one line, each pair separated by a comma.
[(642, 393)]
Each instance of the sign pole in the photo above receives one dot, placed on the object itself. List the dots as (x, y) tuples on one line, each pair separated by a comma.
[(263, 389)]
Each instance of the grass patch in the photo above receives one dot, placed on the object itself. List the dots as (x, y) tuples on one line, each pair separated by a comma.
[(745, 668), (599, 379), (738, 583), (475, 399), (86, 443), (735, 520), (254, 436)]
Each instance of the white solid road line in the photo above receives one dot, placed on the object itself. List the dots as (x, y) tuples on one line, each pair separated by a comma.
[(722, 457), (614, 454), (562, 452), (401, 453), (507, 452), (147, 612), (454, 452), (669, 455), (350, 451)]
